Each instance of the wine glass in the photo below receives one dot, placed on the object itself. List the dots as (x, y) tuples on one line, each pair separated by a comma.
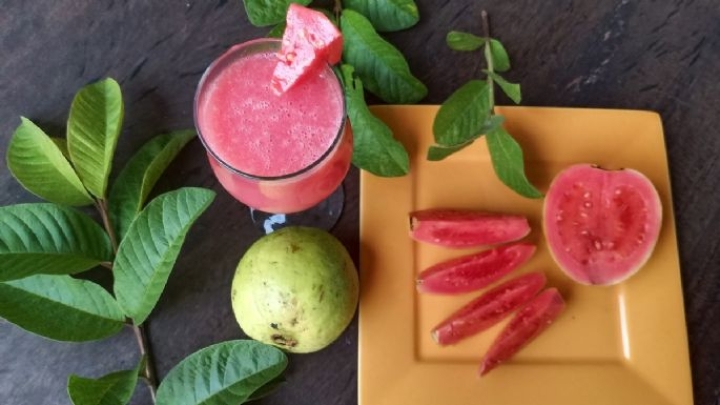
[(283, 155)]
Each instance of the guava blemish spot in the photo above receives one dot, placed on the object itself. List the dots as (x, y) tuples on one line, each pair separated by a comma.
[(283, 341), (294, 248), (274, 326), (293, 322), (233, 294)]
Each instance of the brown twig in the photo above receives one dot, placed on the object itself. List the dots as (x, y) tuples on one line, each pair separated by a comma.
[(337, 9), (149, 371), (101, 206)]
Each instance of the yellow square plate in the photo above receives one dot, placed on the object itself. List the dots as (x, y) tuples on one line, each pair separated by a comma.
[(617, 345)]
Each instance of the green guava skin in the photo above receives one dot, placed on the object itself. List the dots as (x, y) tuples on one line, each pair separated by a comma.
[(296, 288)]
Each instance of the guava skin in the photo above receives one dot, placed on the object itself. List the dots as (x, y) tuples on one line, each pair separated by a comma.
[(296, 288)]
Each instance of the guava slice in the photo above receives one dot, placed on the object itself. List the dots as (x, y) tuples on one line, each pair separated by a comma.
[(309, 41), (488, 309), (527, 324), (475, 271), (456, 228), (601, 225)]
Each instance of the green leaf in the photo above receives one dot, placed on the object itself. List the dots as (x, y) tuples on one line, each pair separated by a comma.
[(375, 149), (112, 389), (277, 31), (501, 60), (381, 67), (38, 163), (94, 125), (512, 90), (507, 159), (267, 389), (461, 117), (436, 153), (147, 254), (269, 12), (440, 152), (60, 308), (48, 238), (224, 373), (136, 180), (387, 15), (464, 41)]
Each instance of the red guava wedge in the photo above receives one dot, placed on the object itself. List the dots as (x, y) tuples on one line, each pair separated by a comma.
[(465, 228), (601, 225), (525, 326), (475, 271), (488, 309), (310, 40)]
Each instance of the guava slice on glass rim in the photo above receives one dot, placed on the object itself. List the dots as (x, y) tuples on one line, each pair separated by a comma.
[(601, 225), (310, 40)]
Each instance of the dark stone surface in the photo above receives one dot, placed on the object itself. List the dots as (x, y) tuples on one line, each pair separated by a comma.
[(644, 54)]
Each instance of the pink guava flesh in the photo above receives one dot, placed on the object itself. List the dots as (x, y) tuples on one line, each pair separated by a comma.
[(475, 271), (488, 309), (456, 228), (601, 225), (527, 324)]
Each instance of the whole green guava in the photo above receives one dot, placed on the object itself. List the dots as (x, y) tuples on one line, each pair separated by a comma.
[(296, 288)]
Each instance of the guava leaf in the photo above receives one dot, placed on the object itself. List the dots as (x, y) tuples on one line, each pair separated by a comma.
[(269, 12), (224, 373), (136, 180), (112, 389), (267, 389), (507, 159), (147, 254), (512, 90), (387, 15), (277, 31), (60, 308), (39, 164), (381, 67), (436, 153), (461, 117), (464, 41), (375, 149), (47, 238), (501, 60), (96, 116)]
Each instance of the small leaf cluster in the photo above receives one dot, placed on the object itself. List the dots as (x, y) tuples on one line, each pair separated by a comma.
[(43, 246), (468, 114), (369, 62)]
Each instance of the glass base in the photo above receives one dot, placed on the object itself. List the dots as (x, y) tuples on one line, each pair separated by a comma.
[(323, 215)]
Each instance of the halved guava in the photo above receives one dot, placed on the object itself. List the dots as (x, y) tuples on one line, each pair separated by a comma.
[(310, 40), (457, 228), (601, 225), (527, 324), (475, 271), (488, 309)]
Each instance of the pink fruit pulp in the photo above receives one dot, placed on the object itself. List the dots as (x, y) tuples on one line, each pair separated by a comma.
[(466, 228), (527, 324), (475, 271), (601, 225), (488, 309)]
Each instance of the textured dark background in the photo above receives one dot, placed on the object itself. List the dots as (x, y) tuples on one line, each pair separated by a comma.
[(656, 55)]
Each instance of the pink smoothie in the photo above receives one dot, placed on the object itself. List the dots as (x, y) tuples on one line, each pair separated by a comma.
[(258, 132), (277, 153)]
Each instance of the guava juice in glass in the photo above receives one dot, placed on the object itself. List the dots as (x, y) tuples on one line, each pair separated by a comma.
[(278, 153)]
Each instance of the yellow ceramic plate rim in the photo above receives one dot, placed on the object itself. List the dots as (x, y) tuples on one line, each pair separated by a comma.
[(625, 344)]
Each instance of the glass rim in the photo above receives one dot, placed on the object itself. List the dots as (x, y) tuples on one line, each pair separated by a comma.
[(199, 90)]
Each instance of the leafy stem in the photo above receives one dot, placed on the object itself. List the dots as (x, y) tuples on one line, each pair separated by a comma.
[(488, 59), (102, 208), (148, 372)]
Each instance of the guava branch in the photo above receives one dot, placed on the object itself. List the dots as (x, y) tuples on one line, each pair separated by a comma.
[(148, 373), (488, 58)]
